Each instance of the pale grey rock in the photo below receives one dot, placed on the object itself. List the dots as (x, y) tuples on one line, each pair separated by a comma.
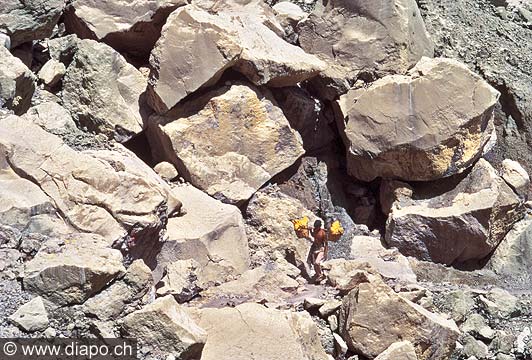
[(70, 269), (513, 173), (123, 296), (476, 348), (329, 308), (51, 117), (513, 256), (51, 73), (373, 317), (196, 46), (63, 48), (210, 232), (107, 192), (17, 83), (104, 92), (25, 21), (253, 331), (165, 328), (401, 350), (182, 280), (166, 170), (361, 39), (500, 304), (32, 316)]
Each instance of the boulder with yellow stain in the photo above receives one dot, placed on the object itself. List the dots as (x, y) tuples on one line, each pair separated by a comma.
[(432, 123), (228, 142), (463, 225)]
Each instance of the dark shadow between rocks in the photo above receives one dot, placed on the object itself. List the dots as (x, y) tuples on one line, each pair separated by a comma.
[(141, 147)]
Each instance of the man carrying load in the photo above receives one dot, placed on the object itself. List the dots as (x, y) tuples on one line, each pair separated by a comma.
[(319, 238)]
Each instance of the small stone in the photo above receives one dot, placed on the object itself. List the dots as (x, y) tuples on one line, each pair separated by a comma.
[(461, 304), (340, 344), (123, 296), (31, 316), (476, 348), (51, 72), (329, 307), (520, 343), (313, 303), (501, 356), (166, 170), (50, 333), (180, 280), (516, 176), (500, 304), (473, 324), (503, 342), (333, 322), (5, 41), (486, 333)]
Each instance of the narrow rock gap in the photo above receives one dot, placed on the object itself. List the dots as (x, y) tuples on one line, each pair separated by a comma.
[(140, 145), (509, 106)]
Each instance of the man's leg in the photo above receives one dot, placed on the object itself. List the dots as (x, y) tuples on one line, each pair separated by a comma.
[(317, 264)]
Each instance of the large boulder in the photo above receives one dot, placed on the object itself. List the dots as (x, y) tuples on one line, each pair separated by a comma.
[(251, 331), (490, 48), (252, 10), (210, 232), (103, 91), (70, 269), (229, 142), (359, 38), (131, 27), (462, 225), (196, 46), (373, 317), (432, 123), (164, 327), (107, 192), (25, 21), (17, 83)]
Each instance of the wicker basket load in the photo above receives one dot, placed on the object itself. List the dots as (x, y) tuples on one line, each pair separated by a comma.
[(336, 231), (301, 227)]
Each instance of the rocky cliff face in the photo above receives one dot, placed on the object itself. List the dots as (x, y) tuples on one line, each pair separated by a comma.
[(152, 155)]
